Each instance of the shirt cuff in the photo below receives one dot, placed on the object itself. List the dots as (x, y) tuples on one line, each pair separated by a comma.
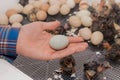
[(8, 41)]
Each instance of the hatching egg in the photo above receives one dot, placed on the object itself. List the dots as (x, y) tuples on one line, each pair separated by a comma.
[(16, 24), (41, 15), (86, 21), (11, 12), (28, 9), (85, 33), (74, 21), (97, 37), (64, 10), (83, 13), (16, 18), (70, 3), (53, 10), (3, 19), (59, 42), (45, 7), (19, 8)]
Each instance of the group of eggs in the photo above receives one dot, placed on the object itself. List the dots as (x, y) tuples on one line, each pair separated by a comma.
[(37, 10)]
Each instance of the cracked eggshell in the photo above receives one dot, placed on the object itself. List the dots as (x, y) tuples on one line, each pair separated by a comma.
[(3, 19), (28, 9), (86, 21), (64, 10), (85, 33), (10, 12), (16, 18), (53, 10), (59, 42), (41, 15), (70, 3), (19, 8), (16, 25), (97, 38), (83, 13), (74, 21)]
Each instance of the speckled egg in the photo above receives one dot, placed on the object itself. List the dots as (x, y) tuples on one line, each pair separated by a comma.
[(59, 42), (45, 7), (3, 19), (11, 12), (70, 3), (16, 18), (28, 9), (83, 13), (74, 21), (86, 21), (19, 8), (41, 15), (64, 10), (53, 10), (97, 38), (85, 33)]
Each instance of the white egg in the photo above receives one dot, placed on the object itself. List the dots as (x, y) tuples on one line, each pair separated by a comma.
[(64, 10), (86, 21), (53, 10), (16, 18), (74, 21), (97, 38), (70, 3), (3, 19), (59, 42), (85, 33), (83, 13)]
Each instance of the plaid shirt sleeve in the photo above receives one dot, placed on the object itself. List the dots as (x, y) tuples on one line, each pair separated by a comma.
[(8, 40)]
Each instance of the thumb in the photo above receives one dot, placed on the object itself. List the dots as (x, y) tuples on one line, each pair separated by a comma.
[(51, 25)]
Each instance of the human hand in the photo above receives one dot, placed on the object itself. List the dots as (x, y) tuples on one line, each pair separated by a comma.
[(33, 42)]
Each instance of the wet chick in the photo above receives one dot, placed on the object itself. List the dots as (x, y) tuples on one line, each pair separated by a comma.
[(68, 65)]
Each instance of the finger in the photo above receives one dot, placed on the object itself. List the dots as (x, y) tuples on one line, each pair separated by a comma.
[(51, 25), (75, 39), (72, 48)]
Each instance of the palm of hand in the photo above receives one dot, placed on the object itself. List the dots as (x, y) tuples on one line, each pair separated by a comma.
[(33, 42)]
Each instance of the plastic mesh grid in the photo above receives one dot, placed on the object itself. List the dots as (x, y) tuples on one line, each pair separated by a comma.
[(42, 70)]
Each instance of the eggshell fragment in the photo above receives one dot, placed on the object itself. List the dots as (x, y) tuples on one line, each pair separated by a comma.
[(64, 10), (86, 21), (28, 9), (53, 10), (41, 15), (19, 8), (11, 12), (16, 25), (16, 18), (85, 33), (83, 13), (97, 38), (59, 42), (3, 19), (74, 21)]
